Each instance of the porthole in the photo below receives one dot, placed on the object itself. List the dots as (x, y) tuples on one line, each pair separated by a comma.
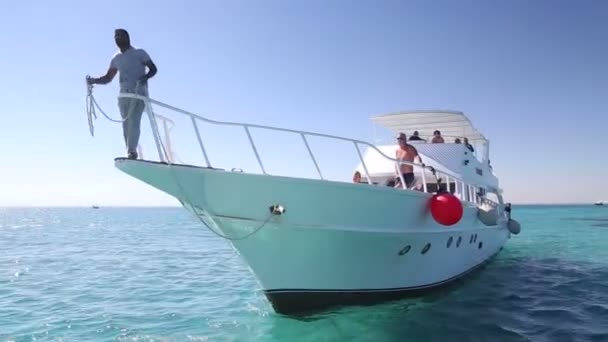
[(475, 238), (426, 248), (480, 245), (405, 249), (471, 239), (450, 241), (458, 241)]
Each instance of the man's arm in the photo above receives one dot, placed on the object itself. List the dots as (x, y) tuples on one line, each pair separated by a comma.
[(105, 79), (397, 165), (151, 69), (145, 57), (416, 155)]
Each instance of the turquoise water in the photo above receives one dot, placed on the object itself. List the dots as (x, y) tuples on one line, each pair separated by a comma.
[(157, 275)]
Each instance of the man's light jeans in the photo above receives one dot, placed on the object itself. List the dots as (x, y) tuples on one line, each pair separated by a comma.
[(131, 111)]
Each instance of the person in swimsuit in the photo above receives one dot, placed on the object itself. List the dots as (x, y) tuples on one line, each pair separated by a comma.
[(437, 138), (406, 152)]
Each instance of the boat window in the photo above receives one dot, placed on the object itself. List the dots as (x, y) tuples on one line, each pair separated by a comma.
[(458, 241), (450, 242), (480, 244), (426, 248), (405, 250)]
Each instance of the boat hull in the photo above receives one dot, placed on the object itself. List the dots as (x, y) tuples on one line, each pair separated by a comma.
[(336, 243), (302, 302)]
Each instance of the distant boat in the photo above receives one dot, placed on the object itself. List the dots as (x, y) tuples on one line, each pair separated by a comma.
[(95, 207), (600, 202)]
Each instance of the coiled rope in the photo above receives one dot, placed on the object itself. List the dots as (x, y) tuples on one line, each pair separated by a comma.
[(91, 104)]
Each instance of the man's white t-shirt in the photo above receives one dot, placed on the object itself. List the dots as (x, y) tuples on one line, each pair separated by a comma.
[(131, 68)]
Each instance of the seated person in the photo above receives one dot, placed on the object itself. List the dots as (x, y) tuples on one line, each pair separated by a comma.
[(437, 138), (357, 177), (457, 141), (415, 136)]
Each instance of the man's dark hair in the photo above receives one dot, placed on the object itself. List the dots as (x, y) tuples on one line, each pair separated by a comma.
[(122, 30)]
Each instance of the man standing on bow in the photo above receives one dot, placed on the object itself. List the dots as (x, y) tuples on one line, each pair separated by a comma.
[(131, 63)]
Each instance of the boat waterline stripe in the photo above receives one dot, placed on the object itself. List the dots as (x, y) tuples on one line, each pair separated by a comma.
[(393, 289)]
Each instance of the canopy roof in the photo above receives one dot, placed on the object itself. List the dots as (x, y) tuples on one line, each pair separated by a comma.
[(451, 124)]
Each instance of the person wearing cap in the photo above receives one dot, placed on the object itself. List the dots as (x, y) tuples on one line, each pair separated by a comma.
[(415, 136), (437, 138), (406, 152), (131, 63)]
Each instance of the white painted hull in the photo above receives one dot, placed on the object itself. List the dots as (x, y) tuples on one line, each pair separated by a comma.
[(333, 238)]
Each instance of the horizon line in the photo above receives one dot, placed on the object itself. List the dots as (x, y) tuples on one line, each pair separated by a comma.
[(179, 206)]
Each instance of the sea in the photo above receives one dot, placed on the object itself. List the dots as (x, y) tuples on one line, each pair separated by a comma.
[(156, 274)]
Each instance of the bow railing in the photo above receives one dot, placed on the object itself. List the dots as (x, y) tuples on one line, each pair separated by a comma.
[(465, 191)]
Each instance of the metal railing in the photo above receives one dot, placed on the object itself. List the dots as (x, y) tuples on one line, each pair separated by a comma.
[(464, 190)]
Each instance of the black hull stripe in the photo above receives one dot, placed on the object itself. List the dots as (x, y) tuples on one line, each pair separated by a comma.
[(308, 301)]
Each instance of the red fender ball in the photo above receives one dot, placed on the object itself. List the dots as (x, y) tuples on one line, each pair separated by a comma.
[(446, 209)]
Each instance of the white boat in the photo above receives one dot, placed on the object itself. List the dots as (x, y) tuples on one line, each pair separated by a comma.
[(600, 203), (314, 243)]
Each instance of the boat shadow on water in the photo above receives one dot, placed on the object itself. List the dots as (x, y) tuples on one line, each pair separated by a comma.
[(512, 298)]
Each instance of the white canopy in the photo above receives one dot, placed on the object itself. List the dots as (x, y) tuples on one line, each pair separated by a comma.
[(451, 124)]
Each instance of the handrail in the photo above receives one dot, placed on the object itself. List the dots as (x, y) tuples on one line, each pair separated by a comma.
[(322, 135), (303, 134)]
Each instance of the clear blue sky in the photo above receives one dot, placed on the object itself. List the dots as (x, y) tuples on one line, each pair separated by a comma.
[(532, 75)]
